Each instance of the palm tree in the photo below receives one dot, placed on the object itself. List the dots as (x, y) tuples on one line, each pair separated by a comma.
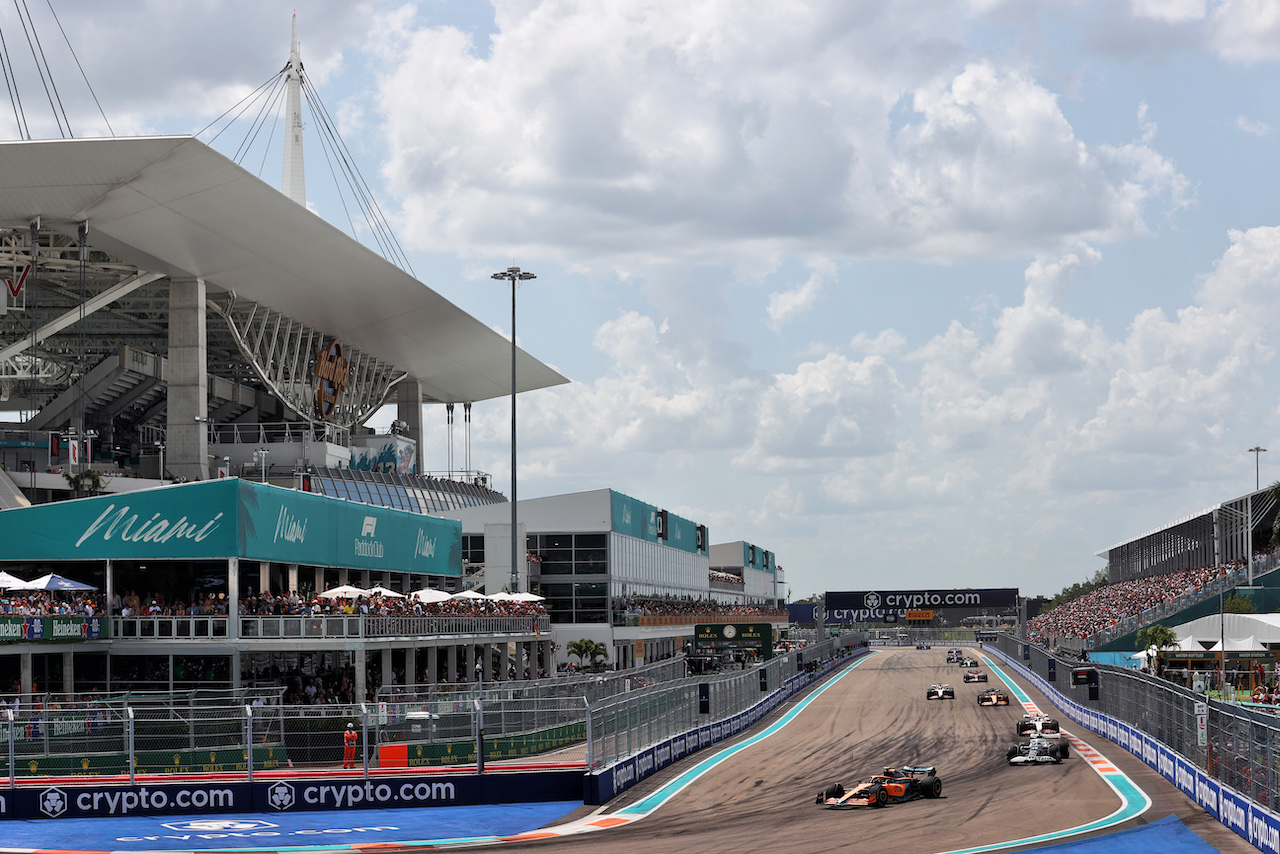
[(1155, 639)]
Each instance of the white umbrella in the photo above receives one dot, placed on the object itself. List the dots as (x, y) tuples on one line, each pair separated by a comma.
[(429, 595), (503, 596), (346, 591), (53, 581), (384, 592), (469, 594), (10, 582), (526, 597)]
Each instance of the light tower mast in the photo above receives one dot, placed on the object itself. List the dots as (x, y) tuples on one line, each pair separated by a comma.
[(294, 181)]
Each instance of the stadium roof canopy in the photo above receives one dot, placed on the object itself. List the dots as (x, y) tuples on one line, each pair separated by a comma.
[(174, 206)]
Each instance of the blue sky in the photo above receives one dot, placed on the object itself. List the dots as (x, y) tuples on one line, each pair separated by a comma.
[(921, 294)]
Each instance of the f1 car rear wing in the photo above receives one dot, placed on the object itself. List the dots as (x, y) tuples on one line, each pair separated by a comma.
[(919, 769)]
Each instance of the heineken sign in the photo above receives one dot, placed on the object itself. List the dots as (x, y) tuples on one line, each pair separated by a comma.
[(28, 629)]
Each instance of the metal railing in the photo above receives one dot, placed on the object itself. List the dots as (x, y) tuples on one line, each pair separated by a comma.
[(1243, 749), (591, 687), (282, 432), (623, 726), (345, 626)]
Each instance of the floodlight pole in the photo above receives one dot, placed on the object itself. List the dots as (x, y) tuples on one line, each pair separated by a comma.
[(1257, 451), (513, 275)]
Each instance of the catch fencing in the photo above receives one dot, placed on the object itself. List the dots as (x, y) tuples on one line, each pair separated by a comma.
[(621, 727), (1242, 742), (593, 719)]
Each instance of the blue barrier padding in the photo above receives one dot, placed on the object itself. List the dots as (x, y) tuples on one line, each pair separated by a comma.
[(276, 831), (1166, 836)]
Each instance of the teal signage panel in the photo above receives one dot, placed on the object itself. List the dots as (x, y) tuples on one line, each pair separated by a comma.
[(189, 521), (634, 518), (233, 518), (289, 526)]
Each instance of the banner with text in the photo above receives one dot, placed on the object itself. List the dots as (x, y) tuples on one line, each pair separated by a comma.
[(1004, 597)]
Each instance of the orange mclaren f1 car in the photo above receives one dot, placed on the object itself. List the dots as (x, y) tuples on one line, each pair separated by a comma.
[(993, 697), (893, 786)]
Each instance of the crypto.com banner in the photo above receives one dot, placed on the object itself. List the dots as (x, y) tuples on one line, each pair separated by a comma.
[(1002, 597)]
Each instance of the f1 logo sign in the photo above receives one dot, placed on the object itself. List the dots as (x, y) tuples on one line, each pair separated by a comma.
[(370, 522)]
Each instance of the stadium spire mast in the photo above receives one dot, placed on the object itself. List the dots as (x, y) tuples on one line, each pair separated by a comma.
[(294, 180)]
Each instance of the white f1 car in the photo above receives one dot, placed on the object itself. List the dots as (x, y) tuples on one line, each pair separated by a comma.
[(1037, 724), (940, 691), (975, 676), (1038, 750)]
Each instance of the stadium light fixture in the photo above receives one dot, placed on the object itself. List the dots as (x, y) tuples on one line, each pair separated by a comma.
[(513, 275), (1257, 451)]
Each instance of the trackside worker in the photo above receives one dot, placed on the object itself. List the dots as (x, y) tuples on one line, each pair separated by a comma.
[(349, 739)]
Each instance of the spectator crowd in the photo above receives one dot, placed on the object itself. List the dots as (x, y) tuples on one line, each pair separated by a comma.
[(681, 606), (1099, 610)]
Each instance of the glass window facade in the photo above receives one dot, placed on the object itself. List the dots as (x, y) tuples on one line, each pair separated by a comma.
[(414, 493), (580, 573)]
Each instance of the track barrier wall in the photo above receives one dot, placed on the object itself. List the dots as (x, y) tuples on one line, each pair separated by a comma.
[(1233, 777), (291, 795), (630, 740)]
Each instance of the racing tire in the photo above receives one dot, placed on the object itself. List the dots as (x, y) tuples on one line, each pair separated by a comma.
[(1055, 755), (931, 787), (1011, 754), (1064, 750), (835, 790), (879, 796)]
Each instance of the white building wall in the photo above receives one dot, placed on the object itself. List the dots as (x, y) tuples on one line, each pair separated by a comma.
[(641, 568), (759, 585)]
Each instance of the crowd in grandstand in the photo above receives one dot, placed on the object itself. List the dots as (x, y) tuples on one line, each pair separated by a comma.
[(386, 606), (131, 604), (1095, 612), (726, 578), (670, 606), (44, 603)]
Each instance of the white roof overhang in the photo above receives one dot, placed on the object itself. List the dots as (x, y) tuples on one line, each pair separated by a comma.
[(173, 205)]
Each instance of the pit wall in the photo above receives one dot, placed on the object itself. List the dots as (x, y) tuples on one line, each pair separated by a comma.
[(1254, 823), (602, 785)]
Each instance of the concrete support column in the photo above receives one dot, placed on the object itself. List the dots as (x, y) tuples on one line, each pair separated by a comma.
[(451, 663), (318, 584), (24, 661), (549, 657), (236, 664), (527, 652), (109, 589), (186, 452), (470, 665), (411, 666), (504, 663), (264, 576), (409, 410), (291, 578), (68, 672), (386, 667), (233, 599), (433, 664), (362, 677)]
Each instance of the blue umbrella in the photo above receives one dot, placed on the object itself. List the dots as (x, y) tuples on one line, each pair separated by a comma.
[(53, 581)]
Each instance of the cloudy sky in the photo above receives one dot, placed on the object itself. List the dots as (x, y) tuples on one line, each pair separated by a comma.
[(913, 294)]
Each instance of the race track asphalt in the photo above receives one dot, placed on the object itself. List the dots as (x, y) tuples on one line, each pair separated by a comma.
[(763, 798)]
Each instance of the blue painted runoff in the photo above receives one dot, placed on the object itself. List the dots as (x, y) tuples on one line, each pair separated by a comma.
[(276, 831), (1166, 836)]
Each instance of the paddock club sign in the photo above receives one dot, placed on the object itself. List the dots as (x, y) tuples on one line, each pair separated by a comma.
[(912, 600)]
